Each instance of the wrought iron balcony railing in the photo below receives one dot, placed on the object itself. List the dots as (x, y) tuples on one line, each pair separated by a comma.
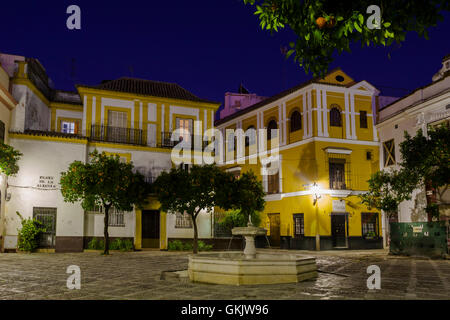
[(166, 141), (118, 135)]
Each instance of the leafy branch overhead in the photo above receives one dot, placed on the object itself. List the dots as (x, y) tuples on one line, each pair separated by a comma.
[(325, 26)]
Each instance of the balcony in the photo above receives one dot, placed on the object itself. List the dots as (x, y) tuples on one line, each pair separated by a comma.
[(166, 141), (118, 135)]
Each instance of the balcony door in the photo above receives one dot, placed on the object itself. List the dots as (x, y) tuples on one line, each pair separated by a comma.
[(186, 129), (117, 126)]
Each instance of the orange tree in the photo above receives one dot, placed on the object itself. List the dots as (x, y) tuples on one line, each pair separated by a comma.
[(200, 188), (105, 182), (325, 26)]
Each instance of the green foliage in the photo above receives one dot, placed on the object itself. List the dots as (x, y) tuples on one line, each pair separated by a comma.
[(428, 158), (424, 160), (342, 23), (104, 181), (9, 157), (248, 196), (234, 218), (387, 189), (177, 245), (118, 244), (95, 244), (200, 188), (29, 234)]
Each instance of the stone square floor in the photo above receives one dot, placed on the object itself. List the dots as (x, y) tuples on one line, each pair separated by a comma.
[(145, 275)]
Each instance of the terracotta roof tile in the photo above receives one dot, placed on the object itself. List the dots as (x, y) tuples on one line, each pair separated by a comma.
[(149, 88)]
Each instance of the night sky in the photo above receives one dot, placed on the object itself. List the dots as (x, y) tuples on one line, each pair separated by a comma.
[(206, 46)]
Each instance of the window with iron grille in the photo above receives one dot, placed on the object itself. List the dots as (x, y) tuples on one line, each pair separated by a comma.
[(363, 119), (296, 121), (299, 225), (337, 174), (369, 224), (2, 132), (183, 221), (115, 217), (389, 153), (47, 217), (335, 117)]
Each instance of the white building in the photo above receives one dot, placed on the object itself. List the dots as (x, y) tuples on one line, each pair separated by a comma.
[(132, 118), (424, 107)]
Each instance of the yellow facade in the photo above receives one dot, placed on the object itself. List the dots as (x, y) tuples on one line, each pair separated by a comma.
[(314, 154)]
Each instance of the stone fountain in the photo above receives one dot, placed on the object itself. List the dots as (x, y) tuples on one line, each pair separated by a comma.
[(250, 266)]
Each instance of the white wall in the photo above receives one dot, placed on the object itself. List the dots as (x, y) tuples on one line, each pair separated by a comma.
[(43, 158)]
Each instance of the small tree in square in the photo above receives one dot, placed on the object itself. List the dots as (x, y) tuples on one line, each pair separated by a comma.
[(105, 182), (200, 188)]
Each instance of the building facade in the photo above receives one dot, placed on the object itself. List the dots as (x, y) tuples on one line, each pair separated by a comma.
[(129, 117), (327, 149), (424, 107)]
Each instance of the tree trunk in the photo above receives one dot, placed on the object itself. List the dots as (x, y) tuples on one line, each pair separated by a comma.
[(195, 242), (106, 235)]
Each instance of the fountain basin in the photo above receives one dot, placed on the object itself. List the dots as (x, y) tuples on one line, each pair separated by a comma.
[(235, 268)]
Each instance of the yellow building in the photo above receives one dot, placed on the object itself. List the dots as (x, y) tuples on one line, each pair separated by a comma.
[(328, 148), (133, 118)]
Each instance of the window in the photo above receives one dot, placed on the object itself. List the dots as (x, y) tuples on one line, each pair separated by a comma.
[(296, 121), (271, 126), (185, 126), (273, 183), (335, 117), (2, 132), (299, 225), (115, 217), (183, 221), (363, 119), (337, 174), (389, 153), (117, 119), (369, 224)]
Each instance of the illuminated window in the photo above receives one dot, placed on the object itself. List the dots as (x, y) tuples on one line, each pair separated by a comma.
[(337, 174), (68, 127)]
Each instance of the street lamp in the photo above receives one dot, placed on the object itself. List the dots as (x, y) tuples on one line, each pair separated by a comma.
[(316, 190)]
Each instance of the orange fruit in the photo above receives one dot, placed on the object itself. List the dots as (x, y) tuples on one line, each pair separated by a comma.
[(321, 22)]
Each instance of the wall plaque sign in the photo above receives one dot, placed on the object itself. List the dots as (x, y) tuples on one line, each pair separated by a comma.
[(46, 182)]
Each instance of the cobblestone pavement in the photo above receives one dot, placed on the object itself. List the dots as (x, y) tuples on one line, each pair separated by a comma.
[(138, 275)]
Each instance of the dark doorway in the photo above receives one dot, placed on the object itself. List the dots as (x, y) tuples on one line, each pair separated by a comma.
[(338, 230), (47, 217), (150, 229), (274, 229)]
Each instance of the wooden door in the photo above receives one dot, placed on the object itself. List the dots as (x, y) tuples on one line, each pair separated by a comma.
[(150, 228), (338, 232)]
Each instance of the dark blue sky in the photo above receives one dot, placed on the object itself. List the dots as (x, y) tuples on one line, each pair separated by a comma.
[(206, 46)]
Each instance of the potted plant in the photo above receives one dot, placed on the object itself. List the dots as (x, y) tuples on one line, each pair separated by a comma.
[(370, 235)]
